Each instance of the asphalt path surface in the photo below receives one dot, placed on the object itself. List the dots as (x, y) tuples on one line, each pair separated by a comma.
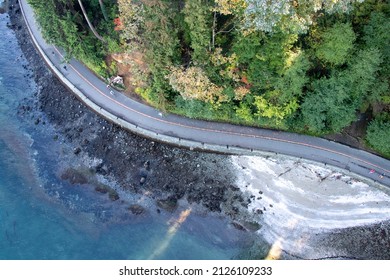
[(217, 134)]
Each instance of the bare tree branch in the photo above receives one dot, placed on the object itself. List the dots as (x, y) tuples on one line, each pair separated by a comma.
[(89, 23), (103, 8)]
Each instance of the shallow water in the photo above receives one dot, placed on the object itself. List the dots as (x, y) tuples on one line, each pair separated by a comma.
[(43, 217)]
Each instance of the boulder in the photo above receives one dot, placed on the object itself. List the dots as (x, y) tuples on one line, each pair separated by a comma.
[(136, 209)]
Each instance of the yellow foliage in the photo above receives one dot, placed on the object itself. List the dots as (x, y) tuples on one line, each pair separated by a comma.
[(269, 110), (240, 92), (228, 7), (193, 83), (291, 58), (131, 19), (217, 58), (230, 63)]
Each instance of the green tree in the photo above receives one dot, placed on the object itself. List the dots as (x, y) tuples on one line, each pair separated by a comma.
[(198, 19), (378, 134), (161, 47), (244, 111), (294, 78), (63, 25), (329, 107), (377, 35), (336, 44), (363, 73), (283, 100), (264, 58)]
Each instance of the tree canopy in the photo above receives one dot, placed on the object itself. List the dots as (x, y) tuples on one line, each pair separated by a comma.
[(306, 66)]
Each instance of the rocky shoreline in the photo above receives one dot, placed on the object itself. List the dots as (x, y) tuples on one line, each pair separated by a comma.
[(139, 166)]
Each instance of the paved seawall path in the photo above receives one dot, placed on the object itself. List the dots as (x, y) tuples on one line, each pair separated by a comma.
[(194, 134)]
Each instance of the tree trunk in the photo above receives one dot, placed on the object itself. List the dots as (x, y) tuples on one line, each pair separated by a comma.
[(213, 31), (103, 8), (89, 23)]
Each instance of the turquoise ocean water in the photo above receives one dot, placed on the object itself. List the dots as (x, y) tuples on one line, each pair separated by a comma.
[(42, 218)]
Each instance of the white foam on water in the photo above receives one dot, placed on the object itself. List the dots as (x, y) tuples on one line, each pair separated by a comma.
[(299, 199)]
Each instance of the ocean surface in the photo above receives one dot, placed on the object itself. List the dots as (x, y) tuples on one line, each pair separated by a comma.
[(41, 217)]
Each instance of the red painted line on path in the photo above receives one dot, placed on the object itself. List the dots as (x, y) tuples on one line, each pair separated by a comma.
[(221, 131)]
